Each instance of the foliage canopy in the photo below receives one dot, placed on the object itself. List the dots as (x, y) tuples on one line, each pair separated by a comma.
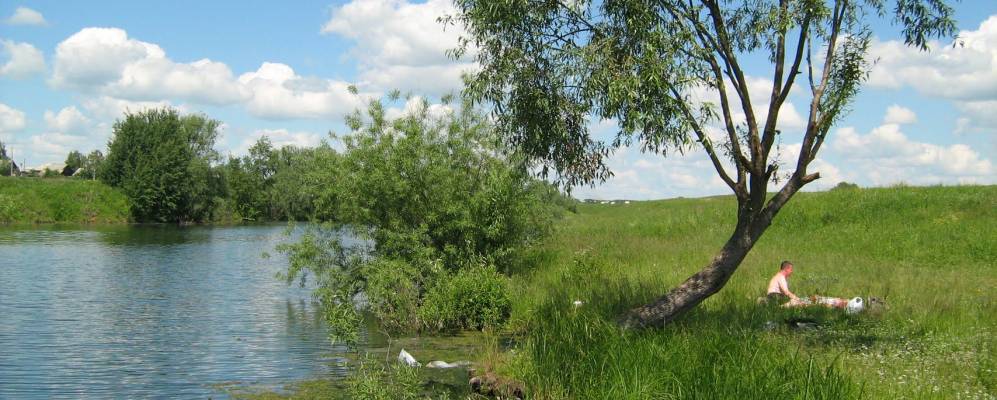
[(670, 75), (425, 197), (163, 162)]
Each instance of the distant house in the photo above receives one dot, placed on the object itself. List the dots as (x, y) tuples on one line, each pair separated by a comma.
[(44, 170)]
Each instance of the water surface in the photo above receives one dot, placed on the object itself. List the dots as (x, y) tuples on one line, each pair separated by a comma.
[(151, 311)]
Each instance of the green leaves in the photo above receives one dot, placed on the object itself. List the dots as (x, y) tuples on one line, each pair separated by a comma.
[(281, 184), (552, 68), (162, 161), (416, 201), (924, 19)]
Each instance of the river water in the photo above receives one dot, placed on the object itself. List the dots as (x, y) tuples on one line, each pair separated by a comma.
[(151, 312)]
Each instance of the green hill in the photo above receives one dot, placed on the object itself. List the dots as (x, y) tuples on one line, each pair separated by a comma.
[(931, 252), (60, 200)]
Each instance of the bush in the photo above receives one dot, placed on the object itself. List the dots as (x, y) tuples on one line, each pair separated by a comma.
[(9, 210), (845, 186), (392, 292), (436, 196), (473, 298), (6, 167), (163, 162)]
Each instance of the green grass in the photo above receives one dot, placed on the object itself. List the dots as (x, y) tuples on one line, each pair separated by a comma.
[(60, 200), (931, 252)]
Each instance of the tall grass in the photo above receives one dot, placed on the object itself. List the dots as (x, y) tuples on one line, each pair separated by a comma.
[(930, 252), (60, 200)]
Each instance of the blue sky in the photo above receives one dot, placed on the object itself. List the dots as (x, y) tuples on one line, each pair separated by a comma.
[(69, 69)]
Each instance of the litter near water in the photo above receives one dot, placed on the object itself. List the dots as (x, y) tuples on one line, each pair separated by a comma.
[(405, 358)]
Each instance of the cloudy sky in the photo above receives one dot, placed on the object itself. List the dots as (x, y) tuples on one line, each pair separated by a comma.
[(69, 69)]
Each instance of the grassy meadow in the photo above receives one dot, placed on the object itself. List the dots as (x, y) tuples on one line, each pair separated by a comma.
[(930, 252), (60, 200)]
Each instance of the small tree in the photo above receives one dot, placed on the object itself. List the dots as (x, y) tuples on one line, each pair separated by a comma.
[(164, 163), (74, 161), (92, 164), (548, 66), (6, 164), (442, 209)]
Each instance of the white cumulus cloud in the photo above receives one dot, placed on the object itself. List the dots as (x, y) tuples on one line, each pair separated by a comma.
[(964, 71), (279, 138), (417, 105), (644, 176), (69, 120), (109, 108), (896, 114), (23, 60), (886, 155), (54, 146), (279, 93), (106, 61), (11, 119), (26, 16), (401, 45)]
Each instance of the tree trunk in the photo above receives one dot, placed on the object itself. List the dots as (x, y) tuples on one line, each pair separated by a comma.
[(752, 221), (704, 283)]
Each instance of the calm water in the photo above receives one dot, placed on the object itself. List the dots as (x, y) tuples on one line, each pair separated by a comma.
[(140, 312)]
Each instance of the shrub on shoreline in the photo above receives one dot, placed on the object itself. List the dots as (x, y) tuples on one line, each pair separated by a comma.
[(436, 196)]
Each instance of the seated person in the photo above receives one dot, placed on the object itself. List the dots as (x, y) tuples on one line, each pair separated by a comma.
[(778, 290)]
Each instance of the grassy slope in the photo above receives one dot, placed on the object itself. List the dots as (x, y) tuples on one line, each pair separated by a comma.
[(932, 252), (36, 200)]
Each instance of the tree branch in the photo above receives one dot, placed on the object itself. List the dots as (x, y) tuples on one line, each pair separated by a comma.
[(795, 68), (815, 124), (705, 142), (710, 45), (778, 100), (769, 132), (757, 163)]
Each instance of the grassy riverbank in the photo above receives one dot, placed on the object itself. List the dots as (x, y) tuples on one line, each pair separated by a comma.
[(931, 252), (60, 200)]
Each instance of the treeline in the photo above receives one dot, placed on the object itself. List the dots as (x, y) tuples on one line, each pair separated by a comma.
[(271, 184), (443, 209), (167, 166)]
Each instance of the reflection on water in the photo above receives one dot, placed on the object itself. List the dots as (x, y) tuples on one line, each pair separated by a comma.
[(151, 311)]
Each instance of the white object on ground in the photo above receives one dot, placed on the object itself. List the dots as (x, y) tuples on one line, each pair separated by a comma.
[(827, 301), (577, 303), (854, 306), (405, 358), (444, 364)]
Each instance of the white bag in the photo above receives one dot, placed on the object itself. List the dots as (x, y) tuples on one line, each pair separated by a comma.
[(405, 358)]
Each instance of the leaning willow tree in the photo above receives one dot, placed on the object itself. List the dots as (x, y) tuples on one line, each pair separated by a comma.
[(550, 66)]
